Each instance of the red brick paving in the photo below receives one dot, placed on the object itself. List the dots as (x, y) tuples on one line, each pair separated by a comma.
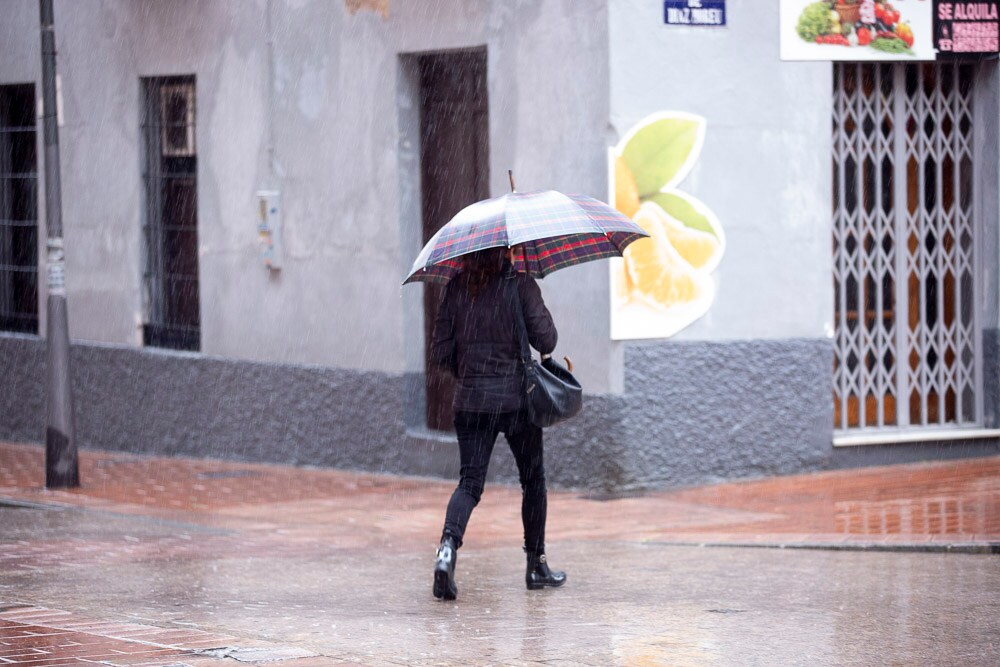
[(40, 637), (928, 503), (186, 484), (956, 501), (252, 509)]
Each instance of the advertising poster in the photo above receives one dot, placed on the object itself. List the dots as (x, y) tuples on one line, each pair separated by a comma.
[(963, 29), (857, 30), (664, 282)]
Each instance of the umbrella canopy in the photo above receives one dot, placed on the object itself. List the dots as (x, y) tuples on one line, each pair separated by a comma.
[(554, 230)]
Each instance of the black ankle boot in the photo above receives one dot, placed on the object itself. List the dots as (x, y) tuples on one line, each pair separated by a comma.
[(540, 576), (444, 570)]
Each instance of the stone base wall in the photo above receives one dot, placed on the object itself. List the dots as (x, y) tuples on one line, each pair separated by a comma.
[(150, 401), (691, 413), (991, 377), (701, 412)]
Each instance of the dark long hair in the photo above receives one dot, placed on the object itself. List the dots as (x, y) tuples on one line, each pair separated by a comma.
[(481, 267)]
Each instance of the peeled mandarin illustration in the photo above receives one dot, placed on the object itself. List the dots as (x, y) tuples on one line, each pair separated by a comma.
[(663, 282), (694, 245), (655, 269), (626, 192)]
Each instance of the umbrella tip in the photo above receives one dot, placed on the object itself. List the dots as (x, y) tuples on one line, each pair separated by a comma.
[(510, 175)]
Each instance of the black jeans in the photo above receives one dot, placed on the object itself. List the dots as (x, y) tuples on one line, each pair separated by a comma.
[(477, 433)]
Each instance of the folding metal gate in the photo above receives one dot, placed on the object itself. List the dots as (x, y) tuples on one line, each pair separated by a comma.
[(907, 352)]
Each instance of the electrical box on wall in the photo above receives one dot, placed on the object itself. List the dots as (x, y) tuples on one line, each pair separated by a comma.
[(269, 228)]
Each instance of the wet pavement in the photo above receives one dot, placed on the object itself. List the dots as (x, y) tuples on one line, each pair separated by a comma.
[(209, 564)]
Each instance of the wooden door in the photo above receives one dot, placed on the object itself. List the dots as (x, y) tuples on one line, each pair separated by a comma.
[(454, 149)]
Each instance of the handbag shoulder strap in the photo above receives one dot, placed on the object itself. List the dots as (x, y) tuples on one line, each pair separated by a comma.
[(522, 329)]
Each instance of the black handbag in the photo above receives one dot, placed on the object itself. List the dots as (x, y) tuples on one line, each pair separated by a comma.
[(552, 394)]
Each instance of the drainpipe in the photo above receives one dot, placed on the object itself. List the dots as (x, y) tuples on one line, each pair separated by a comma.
[(270, 98)]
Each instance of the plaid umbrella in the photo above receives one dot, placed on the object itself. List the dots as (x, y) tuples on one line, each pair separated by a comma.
[(554, 230)]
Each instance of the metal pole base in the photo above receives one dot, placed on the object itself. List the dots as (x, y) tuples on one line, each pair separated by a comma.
[(61, 467), (61, 470)]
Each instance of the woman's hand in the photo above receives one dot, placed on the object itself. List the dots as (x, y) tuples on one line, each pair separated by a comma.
[(514, 253)]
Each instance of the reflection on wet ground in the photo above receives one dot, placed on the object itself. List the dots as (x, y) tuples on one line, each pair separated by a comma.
[(957, 502), (176, 561), (941, 515)]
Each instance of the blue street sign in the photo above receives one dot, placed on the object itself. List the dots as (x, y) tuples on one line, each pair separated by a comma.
[(694, 12)]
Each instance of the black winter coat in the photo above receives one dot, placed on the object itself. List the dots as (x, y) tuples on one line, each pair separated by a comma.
[(476, 339)]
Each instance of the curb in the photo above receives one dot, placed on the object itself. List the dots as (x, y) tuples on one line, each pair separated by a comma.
[(974, 548)]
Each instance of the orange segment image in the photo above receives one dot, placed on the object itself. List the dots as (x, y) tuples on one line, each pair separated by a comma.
[(664, 282), (626, 192), (655, 268)]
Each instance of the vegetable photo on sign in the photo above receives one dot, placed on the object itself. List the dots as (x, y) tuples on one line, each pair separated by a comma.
[(856, 30)]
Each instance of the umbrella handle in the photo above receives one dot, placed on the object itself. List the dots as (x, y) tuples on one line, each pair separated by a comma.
[(510, 175), (569, 362)]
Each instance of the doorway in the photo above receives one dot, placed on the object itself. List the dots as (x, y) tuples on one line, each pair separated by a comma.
[(454, 171)]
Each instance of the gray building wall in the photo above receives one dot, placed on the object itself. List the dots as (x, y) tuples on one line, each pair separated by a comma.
[(747, 386), (729, 421), (340, 162), (987, 117), (736, 417), (987, 120), (322, 362), (765, 168)]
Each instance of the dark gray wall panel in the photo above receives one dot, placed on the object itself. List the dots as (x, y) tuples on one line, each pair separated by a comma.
[(151, 401), (249, 411), (22, 388), (700, 412), (143, 400), (588, 451), (991, 378), (691, 413)]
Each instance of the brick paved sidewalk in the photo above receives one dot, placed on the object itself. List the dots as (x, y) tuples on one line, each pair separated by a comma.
[(41, 637), (199, 563), (954, 504)]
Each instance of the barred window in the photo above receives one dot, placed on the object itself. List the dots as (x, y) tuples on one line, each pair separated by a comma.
[(906, 338), (18, 210), (171, 224)]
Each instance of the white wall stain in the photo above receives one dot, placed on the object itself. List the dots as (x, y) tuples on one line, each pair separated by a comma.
[(312, 89)]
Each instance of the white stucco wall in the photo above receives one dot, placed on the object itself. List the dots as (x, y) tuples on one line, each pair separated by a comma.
[(987, 127), (567, 78), (337, 301), (765, 168)]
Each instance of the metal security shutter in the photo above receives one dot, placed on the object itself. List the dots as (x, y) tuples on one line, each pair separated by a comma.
[(906, 340)]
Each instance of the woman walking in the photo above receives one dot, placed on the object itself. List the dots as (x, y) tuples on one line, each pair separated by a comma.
[(475, 338)]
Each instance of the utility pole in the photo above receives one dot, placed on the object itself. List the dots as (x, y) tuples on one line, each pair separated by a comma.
[(61, 467)]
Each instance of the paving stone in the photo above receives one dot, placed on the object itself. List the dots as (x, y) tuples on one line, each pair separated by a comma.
[(322, 567), (262, 654)]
